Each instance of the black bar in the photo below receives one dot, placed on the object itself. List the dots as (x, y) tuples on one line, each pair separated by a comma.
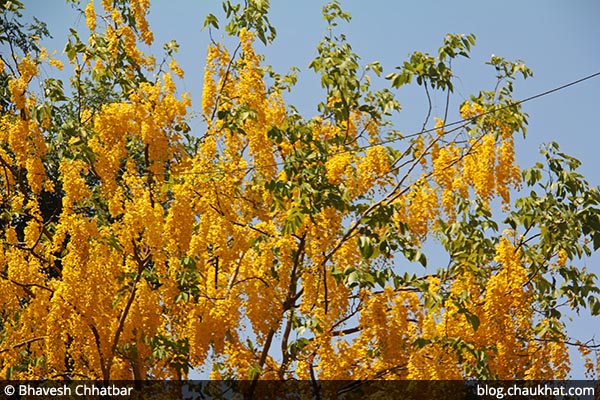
[(292, 389)]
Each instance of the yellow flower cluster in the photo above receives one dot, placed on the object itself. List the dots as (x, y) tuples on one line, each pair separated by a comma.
[(439, 126), (112, 125), (252, 94), (479, 166), (56, 64), (502, 308), (504, 129), (389, 325), (507, 171), (173, 66), (122, 36), (90, 16), (470, 110), (209, 89), (447, 174), (18, 86), (486, 165), (139, 9), (16, 132), (244, 89), (418, 209), (506, 319), (339, 167), (561, 258), (73, 181), (44, 56), (26, 143), (127, 37), (490, 170), (373, 167), (418, 148)]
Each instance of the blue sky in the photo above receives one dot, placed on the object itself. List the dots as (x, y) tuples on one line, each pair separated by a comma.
[(559, 40)]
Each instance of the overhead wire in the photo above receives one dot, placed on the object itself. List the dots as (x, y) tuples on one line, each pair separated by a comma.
[(458, 124)]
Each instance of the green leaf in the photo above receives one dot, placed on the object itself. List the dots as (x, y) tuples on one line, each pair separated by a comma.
[(211, 20), (293, 220), (473, 320), (421, 258), (182, 296), (366, 247), (421, 342), (595, 306)]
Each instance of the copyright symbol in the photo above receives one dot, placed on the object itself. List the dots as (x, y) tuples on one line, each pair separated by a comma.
[(9, 390)]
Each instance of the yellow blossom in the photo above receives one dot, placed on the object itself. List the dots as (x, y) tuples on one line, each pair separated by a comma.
[(173, 66), (90, 16), (439, 126), (56, 63), (470, 110), (562, 258)]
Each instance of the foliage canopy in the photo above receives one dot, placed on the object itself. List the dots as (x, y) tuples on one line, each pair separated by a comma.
[(272, 245)]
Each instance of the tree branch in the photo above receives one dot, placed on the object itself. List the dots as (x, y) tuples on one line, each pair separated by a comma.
[(23, 343)]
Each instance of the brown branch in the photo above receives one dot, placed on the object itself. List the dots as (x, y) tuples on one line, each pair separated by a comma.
[(26, 286), (261, 362), (103, 365), (325, 291), (124, 313), (21, 246), (8, 167), (290, 303), (142, 264), (348, 331), (430, 107), (6, 63), (50, 237), (149, 174), (70, 375), (348, 316), (250, 278), (569, 343), (284, 344), (315, 383), (250, 227), (21, 344), (233, 277)]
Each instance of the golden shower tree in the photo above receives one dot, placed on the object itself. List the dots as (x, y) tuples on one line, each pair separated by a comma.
[(270, 245)]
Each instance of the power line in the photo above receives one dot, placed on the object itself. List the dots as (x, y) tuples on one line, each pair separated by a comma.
[(458, 123), (516, 103)]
